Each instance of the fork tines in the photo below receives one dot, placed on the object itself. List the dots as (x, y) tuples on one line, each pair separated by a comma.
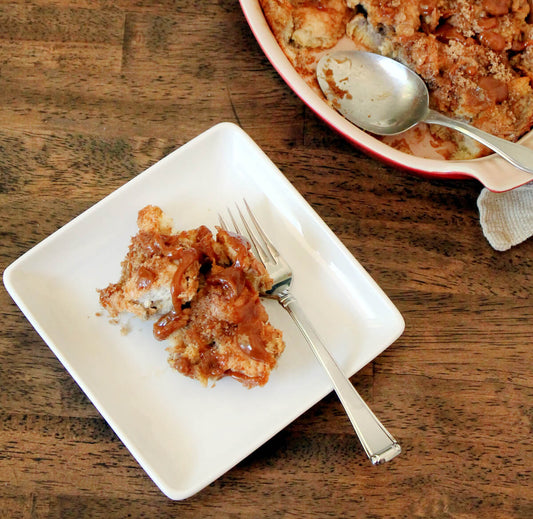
[(252, 231)]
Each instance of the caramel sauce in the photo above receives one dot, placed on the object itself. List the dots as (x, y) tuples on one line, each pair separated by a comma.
[(145, 278), (488, 23), (187, 257), (497, 7), (170, 245), (447, 32), (492, 40), (232, 279), (245, 379), (169, 323), (496, 90), (246, 313), (160, 244), (248, 326), (427, 7)]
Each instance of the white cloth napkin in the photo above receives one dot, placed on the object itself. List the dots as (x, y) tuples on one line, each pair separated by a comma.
[(506, 218)]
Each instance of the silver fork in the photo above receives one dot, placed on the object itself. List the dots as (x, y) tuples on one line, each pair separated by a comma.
[(378, 443)]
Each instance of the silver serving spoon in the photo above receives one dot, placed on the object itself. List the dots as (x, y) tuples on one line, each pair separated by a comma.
[(384, 97)]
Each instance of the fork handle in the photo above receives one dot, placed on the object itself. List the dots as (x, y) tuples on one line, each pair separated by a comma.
[(378, 443)]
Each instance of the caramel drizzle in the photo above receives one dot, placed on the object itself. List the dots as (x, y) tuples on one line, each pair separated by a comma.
[(248, 313)]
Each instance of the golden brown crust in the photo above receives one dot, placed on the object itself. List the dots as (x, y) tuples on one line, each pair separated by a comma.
[(304, 28)]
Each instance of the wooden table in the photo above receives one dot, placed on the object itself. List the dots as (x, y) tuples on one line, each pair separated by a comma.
[(94, 92)]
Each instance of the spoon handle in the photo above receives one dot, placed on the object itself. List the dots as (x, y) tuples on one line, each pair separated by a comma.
[(518, 155)]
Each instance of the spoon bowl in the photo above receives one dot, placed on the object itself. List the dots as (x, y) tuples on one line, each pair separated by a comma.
[(384, 97), (378, 94)]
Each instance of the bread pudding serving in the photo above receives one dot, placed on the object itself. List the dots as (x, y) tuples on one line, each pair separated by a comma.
[(476, 57), (202, 292)]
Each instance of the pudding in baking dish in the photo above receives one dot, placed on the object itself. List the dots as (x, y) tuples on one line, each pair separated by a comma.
[(476, 58)]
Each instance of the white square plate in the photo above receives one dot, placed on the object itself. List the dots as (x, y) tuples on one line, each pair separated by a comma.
[(182, 434)]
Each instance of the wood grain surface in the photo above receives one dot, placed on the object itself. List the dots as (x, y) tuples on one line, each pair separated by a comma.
[(92, 92)]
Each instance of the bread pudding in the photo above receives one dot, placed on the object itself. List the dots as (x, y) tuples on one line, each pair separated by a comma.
[(476, 58), (203, 294)]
